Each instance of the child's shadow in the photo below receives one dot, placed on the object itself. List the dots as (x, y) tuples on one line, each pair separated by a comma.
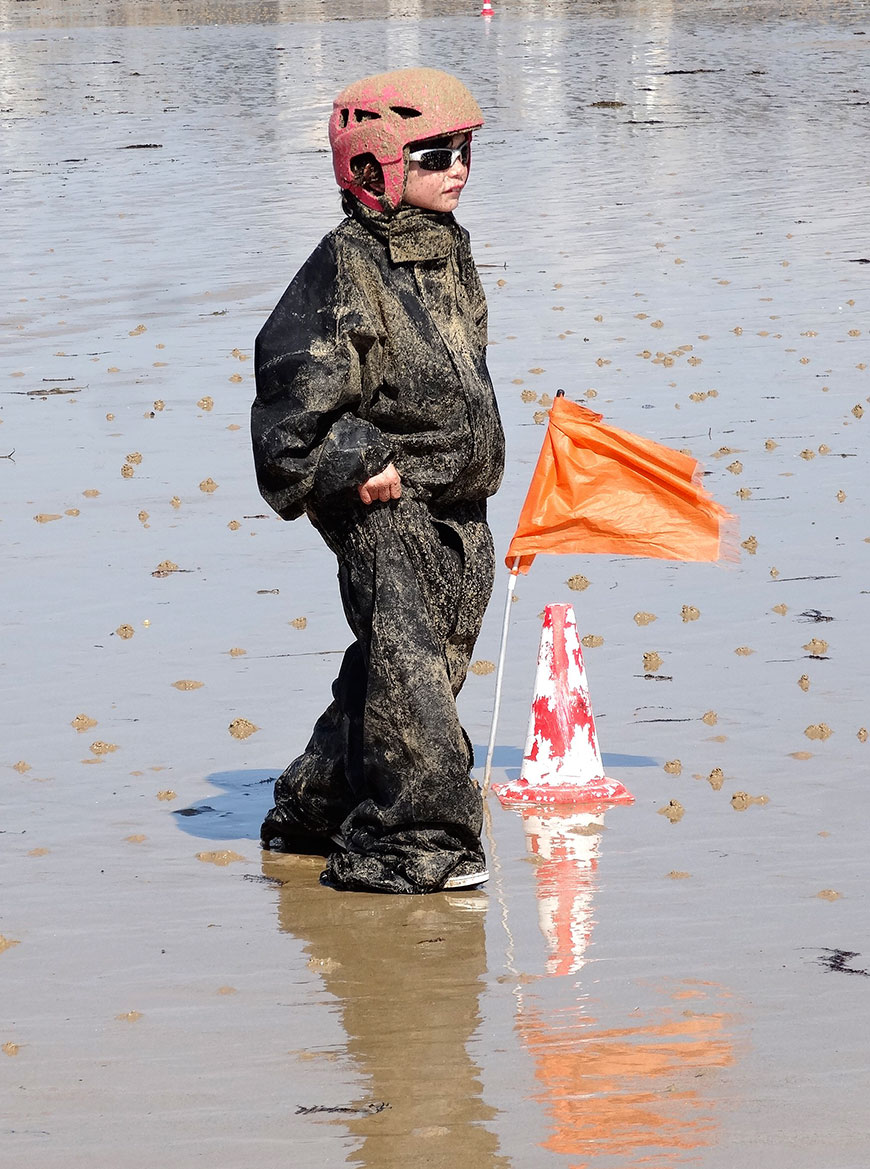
[(236, 813), (245, 797)]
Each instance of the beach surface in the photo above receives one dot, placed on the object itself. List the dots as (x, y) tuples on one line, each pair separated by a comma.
[(669, 207)]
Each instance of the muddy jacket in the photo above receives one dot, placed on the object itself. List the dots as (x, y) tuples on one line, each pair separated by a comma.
[(376, 353)]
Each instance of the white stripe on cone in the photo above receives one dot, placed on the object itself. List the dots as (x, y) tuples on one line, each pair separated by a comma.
[(562, 763)]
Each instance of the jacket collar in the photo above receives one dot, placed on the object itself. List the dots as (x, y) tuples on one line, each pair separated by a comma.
[(411, 234)]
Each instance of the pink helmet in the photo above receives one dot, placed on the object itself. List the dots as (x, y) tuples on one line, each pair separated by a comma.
[(381, 115)]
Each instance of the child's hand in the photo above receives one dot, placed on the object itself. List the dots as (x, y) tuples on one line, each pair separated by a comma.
[(385, 486)]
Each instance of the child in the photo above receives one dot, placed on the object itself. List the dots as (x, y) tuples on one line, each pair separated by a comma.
[(375, 415)]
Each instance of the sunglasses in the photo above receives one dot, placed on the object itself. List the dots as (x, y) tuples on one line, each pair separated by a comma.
[(441, 157)]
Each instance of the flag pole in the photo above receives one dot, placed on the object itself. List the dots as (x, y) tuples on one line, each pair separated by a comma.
[(512, 580), (487, 771)]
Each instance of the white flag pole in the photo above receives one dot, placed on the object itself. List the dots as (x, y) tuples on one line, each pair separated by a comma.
[(487, 771)]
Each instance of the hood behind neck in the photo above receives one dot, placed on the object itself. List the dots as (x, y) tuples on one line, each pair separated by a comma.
[(411, 233)]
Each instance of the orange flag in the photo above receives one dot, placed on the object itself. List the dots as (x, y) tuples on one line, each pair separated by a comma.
[(597, 489)]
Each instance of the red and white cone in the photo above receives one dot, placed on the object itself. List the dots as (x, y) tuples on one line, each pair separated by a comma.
[(487, 9), (561, 762)]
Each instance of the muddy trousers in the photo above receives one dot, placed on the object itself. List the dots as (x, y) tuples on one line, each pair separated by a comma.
[(388, 762)]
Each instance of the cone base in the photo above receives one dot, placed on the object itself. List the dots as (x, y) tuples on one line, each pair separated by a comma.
[(598, 791)]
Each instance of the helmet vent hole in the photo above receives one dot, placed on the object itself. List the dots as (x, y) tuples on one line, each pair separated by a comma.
[(342, 117), (365, 116), (406, 112)]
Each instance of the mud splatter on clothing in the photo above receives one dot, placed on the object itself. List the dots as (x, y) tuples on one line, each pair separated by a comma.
[(375, 354)]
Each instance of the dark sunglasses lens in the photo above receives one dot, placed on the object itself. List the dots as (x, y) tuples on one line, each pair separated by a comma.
[(443, 159), (436, 160)]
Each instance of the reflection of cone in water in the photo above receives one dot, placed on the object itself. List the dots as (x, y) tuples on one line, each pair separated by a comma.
[(562, 762), (635, 1092), (566, 847)]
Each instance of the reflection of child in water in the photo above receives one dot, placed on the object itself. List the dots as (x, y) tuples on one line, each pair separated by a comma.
[(375, 415), (375, 987)]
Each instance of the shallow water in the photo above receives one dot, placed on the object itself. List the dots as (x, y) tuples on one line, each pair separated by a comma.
[(629, 991)]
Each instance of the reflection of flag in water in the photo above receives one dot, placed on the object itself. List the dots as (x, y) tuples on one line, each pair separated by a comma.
[(635, 1092), (566, 847), (598, 489)]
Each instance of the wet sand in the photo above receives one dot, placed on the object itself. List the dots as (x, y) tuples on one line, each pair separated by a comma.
[(669, 206)]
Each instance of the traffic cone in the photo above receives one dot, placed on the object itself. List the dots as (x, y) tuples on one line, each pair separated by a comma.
[(561, 762), (487, 9)]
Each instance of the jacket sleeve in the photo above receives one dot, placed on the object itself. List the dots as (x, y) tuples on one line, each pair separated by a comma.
[(309, 444)]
